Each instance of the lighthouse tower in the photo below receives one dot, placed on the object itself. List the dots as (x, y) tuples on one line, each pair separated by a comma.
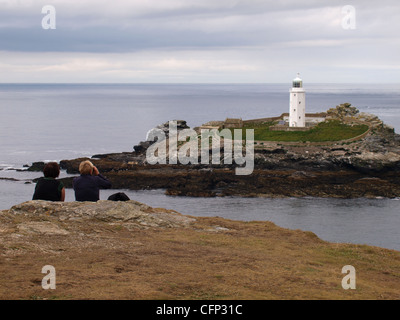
[(297, 114)]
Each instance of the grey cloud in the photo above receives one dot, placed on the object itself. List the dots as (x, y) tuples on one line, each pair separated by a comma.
[(233, 24), (266, 36), (253, 23)]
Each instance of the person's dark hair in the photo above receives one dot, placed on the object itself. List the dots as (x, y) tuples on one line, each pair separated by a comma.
[(51, 170)]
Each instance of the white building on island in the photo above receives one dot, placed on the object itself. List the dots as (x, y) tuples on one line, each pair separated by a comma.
[(297, 111)]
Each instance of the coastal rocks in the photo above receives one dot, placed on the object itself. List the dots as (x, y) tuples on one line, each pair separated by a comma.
[(341, 111), (36, 166), (280, 169), (375, 162), (302, 174), (111, 162), (164, 128), (142, 146), (288, 171), (347, 113), (262, 182)]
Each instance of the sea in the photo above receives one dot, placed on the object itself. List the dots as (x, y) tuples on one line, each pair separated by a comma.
[(52, 122)]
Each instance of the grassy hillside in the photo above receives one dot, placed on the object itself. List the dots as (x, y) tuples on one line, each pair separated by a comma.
[(212, 258)]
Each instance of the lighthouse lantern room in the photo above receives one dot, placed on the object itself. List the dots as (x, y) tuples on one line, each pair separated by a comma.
[(297, 113)]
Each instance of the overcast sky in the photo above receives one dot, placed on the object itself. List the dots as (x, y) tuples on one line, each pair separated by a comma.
[(200, 41)]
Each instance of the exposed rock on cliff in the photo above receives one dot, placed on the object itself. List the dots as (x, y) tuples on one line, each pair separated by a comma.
[(132, 213), (341, 111)]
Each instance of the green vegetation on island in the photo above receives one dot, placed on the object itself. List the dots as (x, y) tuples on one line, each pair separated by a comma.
[(333, 130)]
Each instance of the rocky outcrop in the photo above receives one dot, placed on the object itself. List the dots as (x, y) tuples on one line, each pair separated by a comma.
[(164, 128), (341, 111), (273, 182), (131, 213), (36, 166)]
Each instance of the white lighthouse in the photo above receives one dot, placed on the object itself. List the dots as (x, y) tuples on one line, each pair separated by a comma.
[(297, 113)]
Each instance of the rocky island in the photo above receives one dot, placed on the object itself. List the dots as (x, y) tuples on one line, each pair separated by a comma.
[(364, 165)]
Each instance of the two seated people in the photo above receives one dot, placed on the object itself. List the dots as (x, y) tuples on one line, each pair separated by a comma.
[(86, 187)]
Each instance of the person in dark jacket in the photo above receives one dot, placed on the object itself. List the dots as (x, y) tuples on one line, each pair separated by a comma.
[(48, 188), (87, 186)]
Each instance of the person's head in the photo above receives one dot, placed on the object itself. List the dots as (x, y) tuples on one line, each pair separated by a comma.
[(51, 170), (86, 167)]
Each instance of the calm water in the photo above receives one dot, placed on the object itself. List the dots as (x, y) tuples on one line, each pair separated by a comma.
[(55, 122)]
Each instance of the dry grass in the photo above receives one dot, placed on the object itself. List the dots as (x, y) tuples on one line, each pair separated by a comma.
[(251, 260)]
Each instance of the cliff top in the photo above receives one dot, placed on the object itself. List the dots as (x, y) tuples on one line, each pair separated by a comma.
[(128, 250)]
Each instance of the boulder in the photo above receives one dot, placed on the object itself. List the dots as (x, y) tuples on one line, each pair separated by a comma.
[(36, 166), (342, 110), (132, 213)]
